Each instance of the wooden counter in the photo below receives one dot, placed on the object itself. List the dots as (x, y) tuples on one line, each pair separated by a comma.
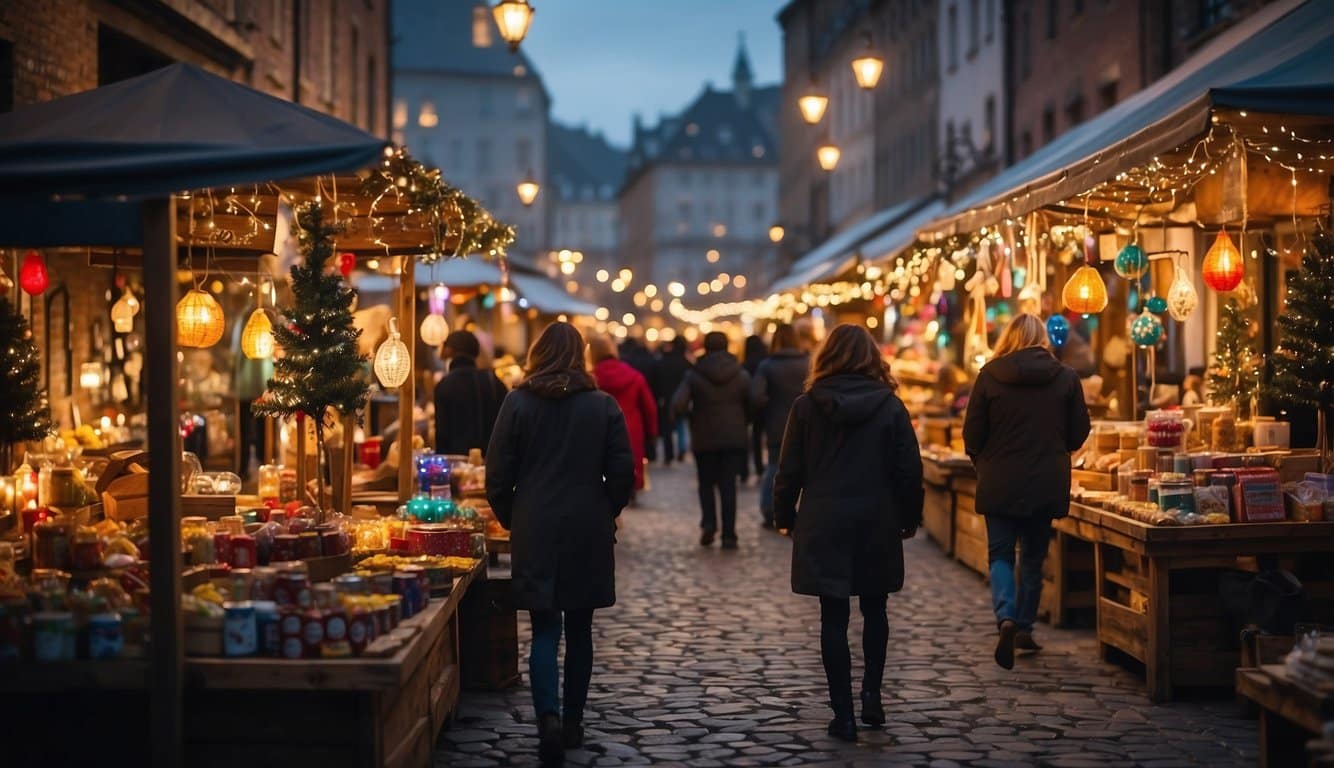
[(1291, 713)]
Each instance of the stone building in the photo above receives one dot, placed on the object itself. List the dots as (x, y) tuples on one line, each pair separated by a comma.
[(971, 63), (585, 173)]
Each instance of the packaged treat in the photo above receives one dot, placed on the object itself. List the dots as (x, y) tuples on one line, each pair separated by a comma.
[(1214, 503)]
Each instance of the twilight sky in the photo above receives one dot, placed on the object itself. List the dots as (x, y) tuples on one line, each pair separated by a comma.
[(603, 60)]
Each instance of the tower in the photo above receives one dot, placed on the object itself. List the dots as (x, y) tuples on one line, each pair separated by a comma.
[(742, 77)]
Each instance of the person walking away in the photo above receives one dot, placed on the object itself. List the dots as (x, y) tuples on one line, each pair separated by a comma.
[(627, 385), (467, 398), (634, 353), (716, 395), (672, 368), (1026, 414), (755, 352), (558, 472), (776, 384), (849, 486)]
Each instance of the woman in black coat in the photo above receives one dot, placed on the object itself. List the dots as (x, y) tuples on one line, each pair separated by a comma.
[(850, 454), (1026, 414), (558, 472), (777, 383)]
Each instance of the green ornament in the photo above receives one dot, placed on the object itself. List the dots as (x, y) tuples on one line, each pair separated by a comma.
[(1156, 304), (1131, 263)]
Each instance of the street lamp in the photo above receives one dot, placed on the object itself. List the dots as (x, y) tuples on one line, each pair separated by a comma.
[(528, 189), (812, 105), (513, 18), (828, 155), (776, 233), (867, 67)]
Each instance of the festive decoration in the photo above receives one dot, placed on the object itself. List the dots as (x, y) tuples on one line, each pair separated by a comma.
[(199, 319), (433, 330), (257, 336), (392, 361), (23, 408), (1146, 330), (1223, 267), (1131, 263), (33, 277), (1304, 359), (1156, 305), (1234, 371), (346, 263), (123, 312), (1085, 292), (1058, 330), (1181, 296)]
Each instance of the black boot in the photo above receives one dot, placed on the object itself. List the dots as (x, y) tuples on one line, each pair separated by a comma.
[(873, 712), (706, 537), (550, 750), (574, 733), (843, 729), (1005, 645)]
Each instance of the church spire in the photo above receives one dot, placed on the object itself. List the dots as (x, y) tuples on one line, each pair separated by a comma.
[(742, 77)]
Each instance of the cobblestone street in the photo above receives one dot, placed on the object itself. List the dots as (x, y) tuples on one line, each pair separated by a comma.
[(708, 659)]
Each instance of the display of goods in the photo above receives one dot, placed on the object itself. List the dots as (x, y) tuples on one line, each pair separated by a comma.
[(1258, 495), (1166, 429), (433, 476), (439, 540)]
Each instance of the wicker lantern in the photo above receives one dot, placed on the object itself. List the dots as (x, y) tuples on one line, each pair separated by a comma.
[(257, 336), (123, 312), (199, 320), (1223, 267), (1085, 293), (392, 361), (433, 330)]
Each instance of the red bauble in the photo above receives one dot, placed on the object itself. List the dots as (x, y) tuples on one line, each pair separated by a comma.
[(32, 274), (346, 263)]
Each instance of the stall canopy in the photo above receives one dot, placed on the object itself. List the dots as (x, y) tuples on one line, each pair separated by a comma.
[(539, 291), (891, 241), (837, 254), (1280, 59), (548, 297)]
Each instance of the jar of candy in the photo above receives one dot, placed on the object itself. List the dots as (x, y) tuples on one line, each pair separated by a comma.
[(1166, 429), (433, 476)]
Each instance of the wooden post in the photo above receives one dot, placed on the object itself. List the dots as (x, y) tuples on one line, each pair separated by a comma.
[(302, 477), (270, 442), (167, 660), (407, 395), (343, 477)]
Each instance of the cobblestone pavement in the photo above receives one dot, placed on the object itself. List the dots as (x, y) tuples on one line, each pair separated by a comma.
[(708, 659)]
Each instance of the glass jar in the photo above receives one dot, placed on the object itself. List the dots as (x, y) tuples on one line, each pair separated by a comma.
[(51, 545), (190, 467), (271, 481), (86, 554), (1165, 429)]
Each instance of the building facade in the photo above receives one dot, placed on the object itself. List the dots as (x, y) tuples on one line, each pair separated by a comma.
[(586, 172), (701, 192), (971, 61), (907, 158)]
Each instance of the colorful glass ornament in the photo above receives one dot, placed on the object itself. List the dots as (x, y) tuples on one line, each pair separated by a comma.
[(1146, 330), (1181, 297), (1223, 267), (1156, 305), (257, 336), (33, 278), (1085, 292), (1131, 263), (434, 330), (1058, 330), (346, 263), (392, 361), (199, 320)]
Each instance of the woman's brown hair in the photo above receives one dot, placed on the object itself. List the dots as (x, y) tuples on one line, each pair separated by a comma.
[(601, 348), (1024, 331), (785, 338), (850, 349), (559, 351)]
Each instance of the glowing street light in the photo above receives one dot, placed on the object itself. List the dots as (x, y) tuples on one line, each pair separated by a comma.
[(528, 189), (513, 18), (828, 155), (676, 289), (868, 67), (776, 233)]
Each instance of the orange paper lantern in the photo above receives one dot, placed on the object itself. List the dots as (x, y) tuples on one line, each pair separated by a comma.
[(1085, 292), (1223, 266)]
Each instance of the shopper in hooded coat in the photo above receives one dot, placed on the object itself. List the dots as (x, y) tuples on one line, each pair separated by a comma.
[(1026, 414), (849, 487), (558, 473), (776, 384), (671, 371), (628, 386)]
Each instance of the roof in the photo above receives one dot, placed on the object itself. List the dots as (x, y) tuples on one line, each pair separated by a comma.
[(435, 36), (537, 290), (583, 165), (838, 253), (548, 297), (714, 130), (1280, 59)]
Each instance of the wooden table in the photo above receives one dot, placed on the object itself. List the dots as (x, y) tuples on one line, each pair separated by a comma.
[(938, 502), (1291, 713), (1158, 596)]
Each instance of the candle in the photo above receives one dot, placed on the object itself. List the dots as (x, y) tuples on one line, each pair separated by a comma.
[(25, 487)]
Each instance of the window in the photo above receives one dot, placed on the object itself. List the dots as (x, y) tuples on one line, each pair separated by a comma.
[(1053, 16), (1025, 44), (758, 179), (372, 95), (483, 156), (953, 33), (523, 155), (683, 178), (1048, 124), (990, 20), (974, 27), (481, 27), (488, 102), (1026, 144), (684, 212), (1107, 95), (427, 117), (1074, 110), (356, 77), (989, 137), (400, 113), (327, 61), (277, 21), (523, 101)]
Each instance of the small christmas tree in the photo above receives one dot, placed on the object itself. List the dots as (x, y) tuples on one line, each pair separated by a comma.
[(1304, 358), (23, 409), (1234, 373), (321, 367)]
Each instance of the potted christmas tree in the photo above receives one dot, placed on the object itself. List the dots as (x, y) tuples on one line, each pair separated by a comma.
[(24, 414), (1303, 362)]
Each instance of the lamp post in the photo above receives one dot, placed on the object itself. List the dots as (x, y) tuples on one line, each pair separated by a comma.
[(528, 189), (513, 18)]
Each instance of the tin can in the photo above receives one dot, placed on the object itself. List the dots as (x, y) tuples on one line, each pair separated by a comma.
[(360, 629), (307, 545), (53, 636), (382, 582), (244, 551), (105, 639), (423, 595), (350, 584), (267, 629), (222, 546), (407, 586), (86, 554), (242, 584), (265, 578), (383, 620), (284, 548), (240, 632), (289, 622), (312, 633), (293, 588), (336, 645), (326, 596)]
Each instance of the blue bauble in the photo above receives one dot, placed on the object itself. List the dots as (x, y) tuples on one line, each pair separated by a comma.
[(1058, 330), (1146, 330), (1131, 263), (1156, 305)]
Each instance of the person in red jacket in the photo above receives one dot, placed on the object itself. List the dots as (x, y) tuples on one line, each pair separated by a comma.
[(632, 393)]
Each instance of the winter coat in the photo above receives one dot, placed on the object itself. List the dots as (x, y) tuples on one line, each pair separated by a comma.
[(467, 401), (558, 472), (1026, 414), (777, 383), (850, 454), (631, 391), (671, 372), (716, 395)]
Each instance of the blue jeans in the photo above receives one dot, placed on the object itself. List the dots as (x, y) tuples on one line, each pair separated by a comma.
[(1032, 534), (544, 670), (767, 486)]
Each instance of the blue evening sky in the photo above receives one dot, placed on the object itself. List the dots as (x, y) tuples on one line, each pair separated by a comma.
[(603, 60)]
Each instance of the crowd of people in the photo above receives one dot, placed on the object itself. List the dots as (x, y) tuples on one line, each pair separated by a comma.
[(834, 452)]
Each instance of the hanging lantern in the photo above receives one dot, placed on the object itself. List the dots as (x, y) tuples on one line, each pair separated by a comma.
[(433, 330), (513, 18), (812, 106), (257, 336), (346, 263), (1181, 297), (438, 298), (1131, 263), (1058, 330), (527, 189), (392, 361), (32, 274), (123, 312), (867, 67), (1156, 304), (1085, 293), (828, 155), (199, 320), (1146, 330), (1223, 268)]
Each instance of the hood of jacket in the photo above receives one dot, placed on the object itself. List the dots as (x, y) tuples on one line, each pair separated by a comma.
[(1033, 365), (615, 376), (849, 398), (718, 367), (558, 384)]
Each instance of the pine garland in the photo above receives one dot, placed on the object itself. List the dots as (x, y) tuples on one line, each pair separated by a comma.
[(1304, 358), (1234, 373), (24, 413)]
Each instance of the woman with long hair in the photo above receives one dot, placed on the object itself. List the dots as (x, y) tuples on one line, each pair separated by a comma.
[(558, 472), (1026, 414), (850, 455)]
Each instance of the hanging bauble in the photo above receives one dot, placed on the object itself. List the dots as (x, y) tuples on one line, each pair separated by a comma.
[(1156, 305), (392, 361), (32, 274), (346, 263), (257, 336), (199, 320), (1085, 292), (433, 330), (1181, 297), (1146, 330), (1058, 330), (1223, 267), (123, 312), (1131, 263)]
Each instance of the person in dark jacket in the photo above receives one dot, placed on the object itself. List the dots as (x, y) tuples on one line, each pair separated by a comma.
[(672, 368), (755, 352), (776, 384), (1026, 414), (850, 455), (467, 399), (627, 385), (558, 473), (716, 395)]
